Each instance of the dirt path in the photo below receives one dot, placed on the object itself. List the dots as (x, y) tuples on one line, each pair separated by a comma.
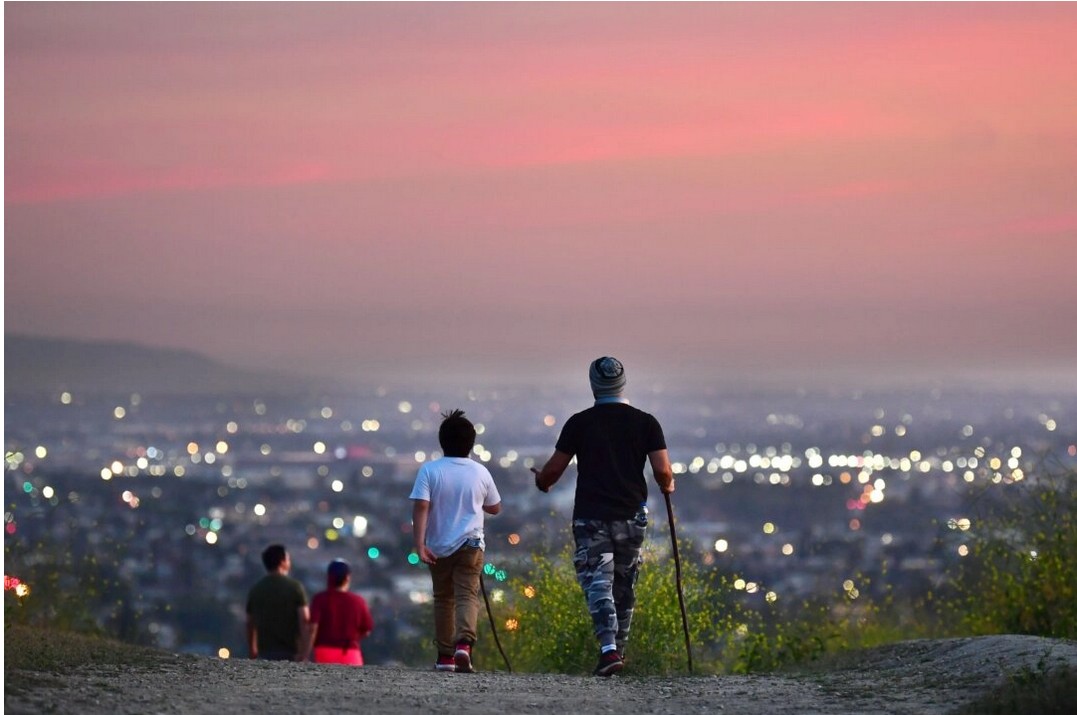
[(922, 677)]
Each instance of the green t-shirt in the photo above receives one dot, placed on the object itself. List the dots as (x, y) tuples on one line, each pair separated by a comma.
[(274, 604)]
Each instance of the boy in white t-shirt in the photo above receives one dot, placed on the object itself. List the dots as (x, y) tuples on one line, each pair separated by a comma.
[(450, 497)]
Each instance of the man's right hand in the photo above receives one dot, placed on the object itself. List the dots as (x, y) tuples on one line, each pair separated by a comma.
[(538, 486)]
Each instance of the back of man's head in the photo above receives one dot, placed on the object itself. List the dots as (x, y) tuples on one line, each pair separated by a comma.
[(273, 557), (607, 376), (456, 434)]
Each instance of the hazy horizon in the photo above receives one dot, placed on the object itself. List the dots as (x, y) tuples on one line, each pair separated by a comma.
[(84, 363), (741, 192)]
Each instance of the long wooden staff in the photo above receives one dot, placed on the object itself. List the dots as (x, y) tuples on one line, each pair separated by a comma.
[(680, 590)]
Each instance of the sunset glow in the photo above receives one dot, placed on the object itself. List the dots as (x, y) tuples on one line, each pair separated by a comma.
[(377, 190)]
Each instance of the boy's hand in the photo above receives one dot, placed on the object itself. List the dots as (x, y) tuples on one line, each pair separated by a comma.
[(426, 555)]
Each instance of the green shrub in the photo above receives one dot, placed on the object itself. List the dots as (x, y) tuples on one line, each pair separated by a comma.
[(552, 629), (1020, 575), (797, 632), (785, 637), (657, 643), (68, 591)]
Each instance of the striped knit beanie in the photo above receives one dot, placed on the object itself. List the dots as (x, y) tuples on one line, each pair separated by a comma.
[(607, 377)]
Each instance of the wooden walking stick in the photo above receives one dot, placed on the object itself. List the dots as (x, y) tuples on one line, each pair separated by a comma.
[(680, 590), (490, 613)]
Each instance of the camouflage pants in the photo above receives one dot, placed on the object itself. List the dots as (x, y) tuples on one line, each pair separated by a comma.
[(607, 560)]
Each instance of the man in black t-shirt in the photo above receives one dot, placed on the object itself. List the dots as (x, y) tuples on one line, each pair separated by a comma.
[(611, 442)]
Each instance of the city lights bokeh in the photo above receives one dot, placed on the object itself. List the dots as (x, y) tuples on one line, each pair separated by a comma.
[(313, 478)]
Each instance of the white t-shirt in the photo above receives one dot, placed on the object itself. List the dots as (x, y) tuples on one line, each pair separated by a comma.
[(457, 489)]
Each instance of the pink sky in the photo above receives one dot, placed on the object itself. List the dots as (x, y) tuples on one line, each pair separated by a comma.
[(490, 189)]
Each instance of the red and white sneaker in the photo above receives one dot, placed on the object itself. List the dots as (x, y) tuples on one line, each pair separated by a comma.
[(446, 663), (462, 658), (609, 663)]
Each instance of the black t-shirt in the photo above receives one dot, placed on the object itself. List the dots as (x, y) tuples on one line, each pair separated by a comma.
[(611, 442)]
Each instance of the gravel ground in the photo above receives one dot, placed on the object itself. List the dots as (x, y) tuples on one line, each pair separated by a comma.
[(922, 677)]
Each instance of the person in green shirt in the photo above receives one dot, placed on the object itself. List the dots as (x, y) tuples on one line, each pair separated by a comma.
[(278, 617)]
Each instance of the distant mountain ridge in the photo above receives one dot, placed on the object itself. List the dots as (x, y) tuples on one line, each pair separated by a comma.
[(35, 364)]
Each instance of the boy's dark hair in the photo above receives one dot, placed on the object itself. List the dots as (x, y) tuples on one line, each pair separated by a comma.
[(456, 434), (273, 557), (337, 572)]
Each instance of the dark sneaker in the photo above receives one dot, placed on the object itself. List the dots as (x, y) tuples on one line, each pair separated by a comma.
[(445, 662), (462, 658), (609, 663)]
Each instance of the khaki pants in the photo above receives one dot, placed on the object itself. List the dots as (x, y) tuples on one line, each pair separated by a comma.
[(456, 597)]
